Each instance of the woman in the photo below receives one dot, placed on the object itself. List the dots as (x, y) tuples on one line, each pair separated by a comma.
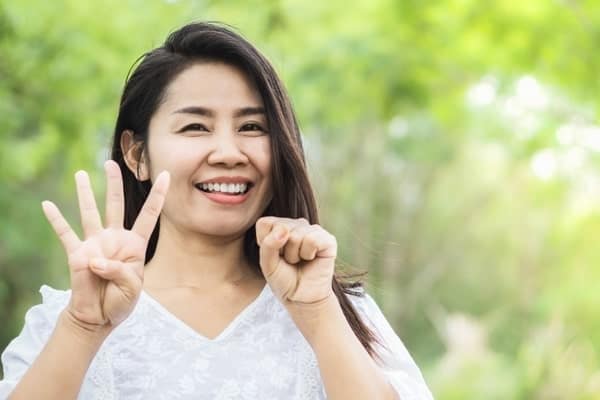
[(211, 278)]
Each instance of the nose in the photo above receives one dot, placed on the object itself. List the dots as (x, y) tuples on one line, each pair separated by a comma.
[(226, 150)]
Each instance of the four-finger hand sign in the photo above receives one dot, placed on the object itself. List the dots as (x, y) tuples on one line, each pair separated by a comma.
[(106, 268), (297, 259)]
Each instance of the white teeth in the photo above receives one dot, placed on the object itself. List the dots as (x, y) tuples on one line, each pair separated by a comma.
[(225, 187)]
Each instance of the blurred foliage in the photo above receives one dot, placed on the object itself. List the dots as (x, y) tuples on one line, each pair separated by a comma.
[(454, 146)]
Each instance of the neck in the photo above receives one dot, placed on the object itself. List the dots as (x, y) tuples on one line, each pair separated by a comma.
[(192, 260)]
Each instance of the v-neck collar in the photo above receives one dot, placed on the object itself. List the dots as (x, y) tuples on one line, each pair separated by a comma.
[(239, 318)]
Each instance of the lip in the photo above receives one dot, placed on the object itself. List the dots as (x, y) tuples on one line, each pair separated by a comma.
[(228, 179), (226, 199)]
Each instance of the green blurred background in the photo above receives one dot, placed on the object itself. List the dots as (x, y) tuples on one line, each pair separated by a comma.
[(454, 146)]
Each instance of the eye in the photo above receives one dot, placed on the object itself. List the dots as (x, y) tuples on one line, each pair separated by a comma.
[(252, 127), (193, 127)]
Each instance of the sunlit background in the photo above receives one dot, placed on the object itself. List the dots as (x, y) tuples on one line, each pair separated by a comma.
[(454, 146)]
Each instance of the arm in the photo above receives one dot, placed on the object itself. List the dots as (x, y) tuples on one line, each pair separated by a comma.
[(347, 370), (298, 261), (58, 371), (106, 271)]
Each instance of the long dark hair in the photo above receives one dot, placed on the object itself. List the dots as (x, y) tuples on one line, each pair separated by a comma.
[(293, 196)]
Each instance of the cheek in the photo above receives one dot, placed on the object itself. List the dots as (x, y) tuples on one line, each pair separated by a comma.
[(265, 164), (173, 155), (262, 157), (258, 152)]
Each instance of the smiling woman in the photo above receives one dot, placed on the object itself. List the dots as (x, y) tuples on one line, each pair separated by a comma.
[(211, 277), (207, 129)]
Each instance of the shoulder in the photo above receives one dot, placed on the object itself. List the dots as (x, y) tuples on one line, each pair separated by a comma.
[(41, 318), (363, 303), (54, 297), (395, 361), (40, 321), (53, 302)]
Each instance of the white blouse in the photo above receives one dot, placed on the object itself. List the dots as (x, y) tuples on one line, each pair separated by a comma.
[(153, 355)]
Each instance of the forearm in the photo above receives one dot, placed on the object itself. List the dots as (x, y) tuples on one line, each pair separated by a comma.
[(59, 369), (347, 370)]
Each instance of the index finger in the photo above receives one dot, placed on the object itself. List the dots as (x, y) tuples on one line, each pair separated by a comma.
[(63, 230), (264, 225), (146, 220)]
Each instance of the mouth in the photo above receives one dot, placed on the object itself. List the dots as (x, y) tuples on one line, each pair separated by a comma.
[(228, 189)]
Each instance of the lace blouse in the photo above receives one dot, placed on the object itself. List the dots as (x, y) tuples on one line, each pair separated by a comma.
[(153, 355)]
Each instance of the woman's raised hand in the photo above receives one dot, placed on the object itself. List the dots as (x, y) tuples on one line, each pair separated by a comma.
[(297, 259), (107, 266)]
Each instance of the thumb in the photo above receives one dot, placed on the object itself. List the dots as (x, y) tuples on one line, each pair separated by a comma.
[(118, 272), (270, 246)]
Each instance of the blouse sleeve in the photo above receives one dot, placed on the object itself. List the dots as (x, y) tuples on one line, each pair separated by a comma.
[(22, 351), (395, 361)]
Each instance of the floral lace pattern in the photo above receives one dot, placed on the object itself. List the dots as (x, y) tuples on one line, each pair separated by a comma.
[(154, 355)]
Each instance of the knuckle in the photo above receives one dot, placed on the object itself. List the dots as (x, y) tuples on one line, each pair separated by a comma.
[(157, 196), (88, 203), (260, 226), (267, 242), (264, 222), (115, 195), (62, 231), (152, 209), (312, 240), (295, 237), (314, 234), (76, 260)]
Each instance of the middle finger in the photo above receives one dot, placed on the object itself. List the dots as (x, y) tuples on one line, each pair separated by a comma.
[(115, 202), (291, 251), (90, 217)]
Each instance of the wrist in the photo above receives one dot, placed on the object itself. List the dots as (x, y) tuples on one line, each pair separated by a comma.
[(85, 333), (315, 318)]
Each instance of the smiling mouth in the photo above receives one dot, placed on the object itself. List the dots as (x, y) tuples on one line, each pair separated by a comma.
[(231, 189)]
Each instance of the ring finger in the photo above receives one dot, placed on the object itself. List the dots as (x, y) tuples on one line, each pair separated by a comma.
[(291, 250)]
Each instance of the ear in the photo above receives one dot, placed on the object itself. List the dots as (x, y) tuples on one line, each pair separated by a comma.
[(134, 155)]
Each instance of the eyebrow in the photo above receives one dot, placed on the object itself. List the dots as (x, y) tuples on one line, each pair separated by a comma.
[(240, 112)]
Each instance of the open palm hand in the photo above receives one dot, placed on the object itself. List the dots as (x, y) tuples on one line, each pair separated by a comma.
[(106, 268)]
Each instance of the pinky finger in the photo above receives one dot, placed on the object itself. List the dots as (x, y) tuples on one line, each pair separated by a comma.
[(63, 230), (318, 243)]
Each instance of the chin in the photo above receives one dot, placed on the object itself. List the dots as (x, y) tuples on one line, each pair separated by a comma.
[(224, 228)]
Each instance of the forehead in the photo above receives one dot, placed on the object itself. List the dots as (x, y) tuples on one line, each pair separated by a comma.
[(212, 85)]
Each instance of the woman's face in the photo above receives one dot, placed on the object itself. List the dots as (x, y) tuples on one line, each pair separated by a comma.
[(211, 134)]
